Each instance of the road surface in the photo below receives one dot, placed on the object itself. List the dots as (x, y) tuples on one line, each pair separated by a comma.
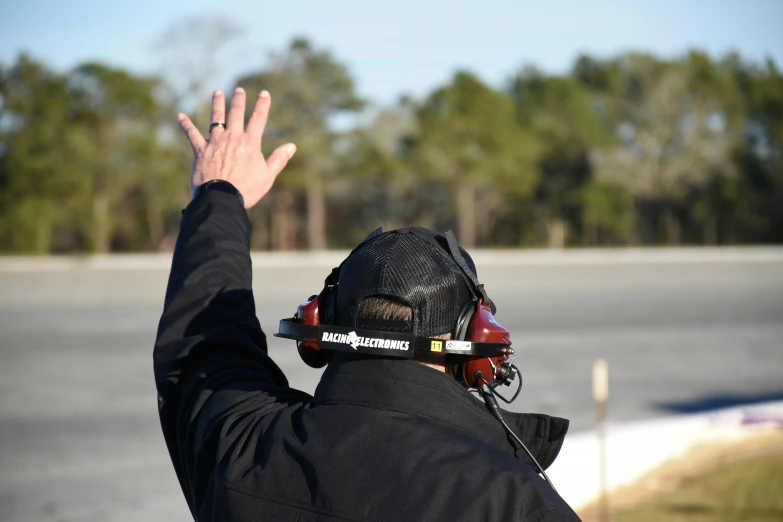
[(79, 435)]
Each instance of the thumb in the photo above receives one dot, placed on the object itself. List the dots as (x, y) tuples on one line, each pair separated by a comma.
[(279, 158)]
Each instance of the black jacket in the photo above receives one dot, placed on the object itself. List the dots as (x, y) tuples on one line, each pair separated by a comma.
[(380, 440)]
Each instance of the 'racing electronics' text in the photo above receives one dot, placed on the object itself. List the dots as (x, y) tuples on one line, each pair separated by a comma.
[(367, 342)]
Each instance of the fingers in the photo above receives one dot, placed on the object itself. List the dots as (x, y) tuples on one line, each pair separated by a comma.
[(218, 110), (194, 136), (257, 120), (236, 113), (279, 158)]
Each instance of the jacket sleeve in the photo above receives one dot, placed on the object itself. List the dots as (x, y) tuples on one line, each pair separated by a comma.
[(211, 364)]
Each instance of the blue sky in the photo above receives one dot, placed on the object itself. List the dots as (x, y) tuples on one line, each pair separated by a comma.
[(396, 47)]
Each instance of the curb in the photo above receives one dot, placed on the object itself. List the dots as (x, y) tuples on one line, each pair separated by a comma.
[(636, 448)]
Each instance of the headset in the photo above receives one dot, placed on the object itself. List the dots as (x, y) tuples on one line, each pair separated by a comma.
[(478, 355)]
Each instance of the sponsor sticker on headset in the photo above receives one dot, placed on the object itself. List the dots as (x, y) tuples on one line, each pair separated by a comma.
[(458, 345)]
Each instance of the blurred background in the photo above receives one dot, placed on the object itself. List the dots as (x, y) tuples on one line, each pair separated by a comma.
[(616, 166), (605, 123)]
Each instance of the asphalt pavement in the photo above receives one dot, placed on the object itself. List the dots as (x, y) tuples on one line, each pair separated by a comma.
[(79, 435)]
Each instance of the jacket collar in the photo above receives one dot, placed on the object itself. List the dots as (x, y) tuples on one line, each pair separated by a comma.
[(413, 388)]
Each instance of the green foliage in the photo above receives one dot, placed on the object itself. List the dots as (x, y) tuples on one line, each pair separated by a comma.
[(468, 134), (558, 107), (71, 168), (469, 139), (39, 182), (632, 149), (309, 88), (608, 215)]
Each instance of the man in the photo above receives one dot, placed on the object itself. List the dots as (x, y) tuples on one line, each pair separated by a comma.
[(383, 438)]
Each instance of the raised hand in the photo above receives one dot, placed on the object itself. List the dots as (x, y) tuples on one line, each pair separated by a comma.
[(233, 152)]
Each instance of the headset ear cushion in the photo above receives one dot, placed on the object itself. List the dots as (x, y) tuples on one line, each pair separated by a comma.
[(311, 355), (454, 368), (463, 322), (308, 313)]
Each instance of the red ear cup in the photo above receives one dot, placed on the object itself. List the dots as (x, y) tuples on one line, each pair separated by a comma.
[(309, 313), (484, 329)]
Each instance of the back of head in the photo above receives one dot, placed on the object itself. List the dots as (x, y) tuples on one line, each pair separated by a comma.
[(406, 272)]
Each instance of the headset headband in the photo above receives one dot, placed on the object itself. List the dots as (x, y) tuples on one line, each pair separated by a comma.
[(398, 344)]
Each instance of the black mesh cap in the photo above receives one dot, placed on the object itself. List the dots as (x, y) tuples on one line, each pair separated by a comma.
[(408, 269)]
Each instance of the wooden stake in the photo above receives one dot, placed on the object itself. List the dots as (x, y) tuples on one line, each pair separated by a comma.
[(601, 396)]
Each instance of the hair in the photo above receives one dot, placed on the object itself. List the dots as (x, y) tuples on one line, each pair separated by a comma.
[(386, 309), (383, 308)]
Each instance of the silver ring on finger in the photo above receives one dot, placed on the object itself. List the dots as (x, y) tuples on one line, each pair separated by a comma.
[(220, 124)]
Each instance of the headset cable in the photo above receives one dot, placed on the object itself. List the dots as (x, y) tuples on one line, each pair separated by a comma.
[(494, 409)]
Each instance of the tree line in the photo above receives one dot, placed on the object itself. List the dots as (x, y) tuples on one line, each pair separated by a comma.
[(628, 150)]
